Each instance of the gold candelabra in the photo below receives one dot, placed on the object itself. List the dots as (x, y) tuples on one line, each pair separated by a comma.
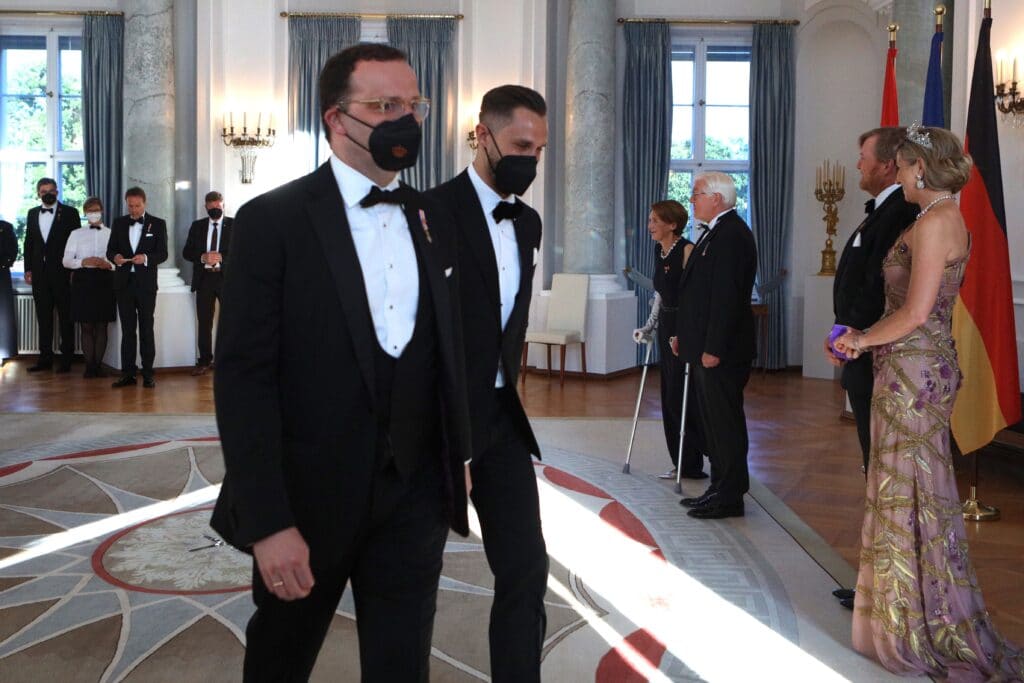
[(248, 139), (829, 189)]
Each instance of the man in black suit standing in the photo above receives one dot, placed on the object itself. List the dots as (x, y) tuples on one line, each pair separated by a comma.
[(138, 245), (340, 388), (499, 238), (46, 234), (858, 292), (207, 245), (715, 335)]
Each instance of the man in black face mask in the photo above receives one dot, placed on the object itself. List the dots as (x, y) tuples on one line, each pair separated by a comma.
[(207, 248), (46, 234), (499, 240), (340, 389)]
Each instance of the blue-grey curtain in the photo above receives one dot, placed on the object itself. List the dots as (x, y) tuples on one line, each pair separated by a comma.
[(311, 42), (430, 44), (647, 136), (103, 109), (772, 112)]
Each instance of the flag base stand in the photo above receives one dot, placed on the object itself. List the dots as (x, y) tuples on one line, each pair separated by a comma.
[(976, 511)]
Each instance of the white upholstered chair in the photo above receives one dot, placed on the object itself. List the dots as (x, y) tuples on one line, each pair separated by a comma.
[(566, 324)]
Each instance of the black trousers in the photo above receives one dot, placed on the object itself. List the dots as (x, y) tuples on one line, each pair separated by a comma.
[(207, 298), (719, 392), (136, 306), (394, 566), (672, 384), (52, 294), (858, 380), (506, 501)]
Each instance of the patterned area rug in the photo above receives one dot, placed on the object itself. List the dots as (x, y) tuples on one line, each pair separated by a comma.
[(110, 572)]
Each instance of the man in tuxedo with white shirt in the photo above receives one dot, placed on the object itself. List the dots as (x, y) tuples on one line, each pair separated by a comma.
[(46, 234), (206, 247), (340, 388), (138, 245), (858, 291), (499, 237)]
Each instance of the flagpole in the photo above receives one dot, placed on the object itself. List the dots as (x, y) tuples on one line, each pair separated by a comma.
[(940, 10)]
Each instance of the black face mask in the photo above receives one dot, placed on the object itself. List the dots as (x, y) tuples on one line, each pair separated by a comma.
[(513, 173), (214, 213), (49, 198), (394, 145)]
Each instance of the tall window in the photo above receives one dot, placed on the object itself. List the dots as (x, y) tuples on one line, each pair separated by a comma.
[(710, 113), (40, 121)]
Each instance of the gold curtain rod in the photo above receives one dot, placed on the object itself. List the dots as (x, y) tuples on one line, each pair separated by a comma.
[(61, 13), (349, 15), (712, 22)]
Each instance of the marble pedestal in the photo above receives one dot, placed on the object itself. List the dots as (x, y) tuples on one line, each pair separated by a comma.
[(611, 318), (818, 319), (174, 326)]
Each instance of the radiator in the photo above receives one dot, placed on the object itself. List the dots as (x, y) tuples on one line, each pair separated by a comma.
[(28, 330)]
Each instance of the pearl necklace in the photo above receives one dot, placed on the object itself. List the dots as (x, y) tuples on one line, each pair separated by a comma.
[(664, 254), (940, 198)]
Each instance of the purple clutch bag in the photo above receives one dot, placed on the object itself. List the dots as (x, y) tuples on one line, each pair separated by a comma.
[(837, 332)]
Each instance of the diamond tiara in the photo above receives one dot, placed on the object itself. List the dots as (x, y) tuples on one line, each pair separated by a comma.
[(918, 136)]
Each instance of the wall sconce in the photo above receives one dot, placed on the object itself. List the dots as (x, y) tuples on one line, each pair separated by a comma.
[(471, 128), (1008, 98), (248, 140)]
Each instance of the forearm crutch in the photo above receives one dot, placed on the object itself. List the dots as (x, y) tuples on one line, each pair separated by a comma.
[(682, 428), (636, 412)]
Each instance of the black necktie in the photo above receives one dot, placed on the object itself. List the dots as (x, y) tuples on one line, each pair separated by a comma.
[(45, 210), (213, 237), (509, 210), (400, 195), (869, 206)]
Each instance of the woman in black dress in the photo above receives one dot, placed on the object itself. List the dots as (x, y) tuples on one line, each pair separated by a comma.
[(92, 285), (671, 250), (8, 325)]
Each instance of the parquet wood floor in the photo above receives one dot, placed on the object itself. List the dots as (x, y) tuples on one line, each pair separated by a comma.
[(799, 448)]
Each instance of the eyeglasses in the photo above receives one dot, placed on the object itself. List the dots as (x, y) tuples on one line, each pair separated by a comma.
[(419, 106), (694, 196)]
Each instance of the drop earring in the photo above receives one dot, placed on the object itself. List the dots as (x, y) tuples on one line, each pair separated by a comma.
[(920, 183)]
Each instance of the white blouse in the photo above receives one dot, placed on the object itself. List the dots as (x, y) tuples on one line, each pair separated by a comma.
[(83, 243)]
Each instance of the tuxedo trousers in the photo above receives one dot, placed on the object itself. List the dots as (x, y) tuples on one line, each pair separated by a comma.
[(53, 294), (673, 382), (506, 501), (719, 394), (136, 306), (394, 565), (207, 298), (859, 379)]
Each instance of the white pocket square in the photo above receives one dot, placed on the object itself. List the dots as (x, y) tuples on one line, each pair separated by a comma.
[(448, 272), (535, 252)]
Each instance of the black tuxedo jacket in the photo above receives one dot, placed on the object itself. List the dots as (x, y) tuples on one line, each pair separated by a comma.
[(858, 291), (46, 258), (152, 243), (714, 295), (195, 246), (486, 344), (295, 384)]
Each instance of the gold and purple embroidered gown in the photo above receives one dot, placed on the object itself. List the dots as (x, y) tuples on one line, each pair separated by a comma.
[(918, 608)]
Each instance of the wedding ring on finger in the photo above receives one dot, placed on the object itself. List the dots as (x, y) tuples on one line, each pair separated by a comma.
[(277, 584)]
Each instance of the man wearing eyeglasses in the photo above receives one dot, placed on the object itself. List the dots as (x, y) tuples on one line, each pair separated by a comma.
[(715, 335), (340, 388)]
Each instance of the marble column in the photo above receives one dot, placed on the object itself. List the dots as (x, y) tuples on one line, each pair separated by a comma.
[(590, 138), (149, 108)]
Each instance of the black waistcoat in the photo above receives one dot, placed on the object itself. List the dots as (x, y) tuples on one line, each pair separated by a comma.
[(407, 392)]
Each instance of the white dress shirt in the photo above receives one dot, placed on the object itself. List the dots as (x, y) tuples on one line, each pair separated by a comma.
[(387, 258), (46, 220), (210, 245), (84, 243), (506, 252), (135, 234)]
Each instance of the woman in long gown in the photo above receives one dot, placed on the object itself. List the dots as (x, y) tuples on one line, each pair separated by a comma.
[(918, 608)]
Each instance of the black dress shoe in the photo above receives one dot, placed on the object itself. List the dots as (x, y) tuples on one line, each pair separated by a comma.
[(698, 501), (41, 365), (699, 474), (124, 381), (844, 593), (717, 510), (148, 382), (847, 603)]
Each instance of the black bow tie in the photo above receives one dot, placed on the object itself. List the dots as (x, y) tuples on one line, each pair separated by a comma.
[(869, 206), (140, 221), (509, 210), (95, 227), (45, 210), (400, 195)]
